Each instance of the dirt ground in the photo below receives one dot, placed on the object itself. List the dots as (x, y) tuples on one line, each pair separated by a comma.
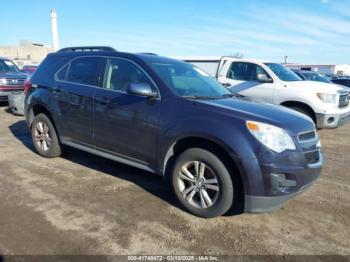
[(83, 204)]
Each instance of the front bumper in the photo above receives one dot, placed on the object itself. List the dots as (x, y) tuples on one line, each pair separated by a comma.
[(16, 103), (4, 95), (332, 120), (270, 186), (261, 204)]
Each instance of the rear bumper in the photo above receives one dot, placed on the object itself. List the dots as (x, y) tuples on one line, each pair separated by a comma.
[(332, 120)]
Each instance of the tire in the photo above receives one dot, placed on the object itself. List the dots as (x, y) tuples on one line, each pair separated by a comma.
[(190, 191), (304, 111), (45, 137)]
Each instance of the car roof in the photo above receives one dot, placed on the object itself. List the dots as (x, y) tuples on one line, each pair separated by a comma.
[(148, 57)]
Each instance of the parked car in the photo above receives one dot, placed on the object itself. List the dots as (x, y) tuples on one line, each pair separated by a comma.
[(16, 103), (219, 150), (29, 69), (311, 76), (327, 104), (341, 80), (11, 78)]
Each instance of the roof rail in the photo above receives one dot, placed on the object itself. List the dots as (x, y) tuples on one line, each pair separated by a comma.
[(86, 48), (148, 54)]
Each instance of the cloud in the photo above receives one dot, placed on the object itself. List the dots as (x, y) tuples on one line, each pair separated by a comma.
[(264, 32)]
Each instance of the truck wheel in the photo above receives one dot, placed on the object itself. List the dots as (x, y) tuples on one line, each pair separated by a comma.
[(202, 183), (303, 111), (44, 137)]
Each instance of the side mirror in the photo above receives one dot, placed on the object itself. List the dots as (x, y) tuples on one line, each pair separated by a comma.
[(141, 89), (264, 78)]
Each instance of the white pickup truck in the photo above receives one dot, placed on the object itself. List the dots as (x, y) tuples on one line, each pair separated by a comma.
[(327, 104)]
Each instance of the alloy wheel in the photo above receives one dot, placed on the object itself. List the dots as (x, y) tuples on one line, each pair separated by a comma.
[(198, 184), (42, 136)]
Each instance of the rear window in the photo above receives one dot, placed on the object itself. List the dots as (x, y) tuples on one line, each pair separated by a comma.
[(86, 70)]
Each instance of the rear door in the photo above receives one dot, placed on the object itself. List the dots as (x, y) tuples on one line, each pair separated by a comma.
[(75, 86), (126, 125), (243, 78)]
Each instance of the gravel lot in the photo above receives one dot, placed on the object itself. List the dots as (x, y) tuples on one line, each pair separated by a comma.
[(83, 204)]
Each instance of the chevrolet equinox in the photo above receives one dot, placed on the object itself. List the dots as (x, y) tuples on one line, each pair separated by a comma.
[(219, 150)]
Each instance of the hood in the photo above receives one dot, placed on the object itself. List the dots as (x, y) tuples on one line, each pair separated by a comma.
[(249, 109), (13, 75), (319, 87)]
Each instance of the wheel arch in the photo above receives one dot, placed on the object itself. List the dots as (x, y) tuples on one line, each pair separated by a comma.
[(216, 147), (302, 105), (39, 108)]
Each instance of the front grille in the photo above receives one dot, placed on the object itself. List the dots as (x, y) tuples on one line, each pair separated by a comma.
[(312, 157), (343, 100), (15, 81), (302, 137)]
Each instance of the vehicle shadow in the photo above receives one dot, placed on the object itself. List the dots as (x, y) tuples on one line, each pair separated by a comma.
[(150, 182)]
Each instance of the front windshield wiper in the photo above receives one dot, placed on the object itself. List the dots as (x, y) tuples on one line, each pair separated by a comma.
[(200, 97)]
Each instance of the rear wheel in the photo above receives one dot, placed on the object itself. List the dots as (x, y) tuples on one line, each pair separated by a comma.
[(44, 137), (202, 183)]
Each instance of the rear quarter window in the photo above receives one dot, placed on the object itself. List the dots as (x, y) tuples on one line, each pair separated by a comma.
[(48, 68), (62, 73)]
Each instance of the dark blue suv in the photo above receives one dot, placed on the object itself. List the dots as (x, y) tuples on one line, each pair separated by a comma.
[(220, 150)]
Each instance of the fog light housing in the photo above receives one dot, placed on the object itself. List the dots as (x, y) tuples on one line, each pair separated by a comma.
[(279, 182), (330, 120)]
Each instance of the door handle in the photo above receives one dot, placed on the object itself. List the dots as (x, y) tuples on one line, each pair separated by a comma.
[(226, 84), (102, 100), (57, 89)]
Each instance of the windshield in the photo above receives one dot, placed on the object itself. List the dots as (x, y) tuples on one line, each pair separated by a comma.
[(6, 66), (283, 73), (317, 77), (187, 80)]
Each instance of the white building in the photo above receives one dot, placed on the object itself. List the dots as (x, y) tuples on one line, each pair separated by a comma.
[(26, 53), (29, 53)]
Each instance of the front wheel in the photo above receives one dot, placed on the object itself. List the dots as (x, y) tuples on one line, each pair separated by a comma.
[(44, 137), (304, 111), (202, 183)]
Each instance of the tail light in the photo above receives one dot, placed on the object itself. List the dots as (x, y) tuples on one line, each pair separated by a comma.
[(27, 86)]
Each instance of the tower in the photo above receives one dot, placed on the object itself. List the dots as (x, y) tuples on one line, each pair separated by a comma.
[(54, 31)]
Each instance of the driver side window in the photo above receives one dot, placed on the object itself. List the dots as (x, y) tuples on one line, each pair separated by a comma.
[(246, 71), (121, 73)]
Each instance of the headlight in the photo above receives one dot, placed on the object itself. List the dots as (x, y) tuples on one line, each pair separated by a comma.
[(328, 98), (273, 137), (2, 81)]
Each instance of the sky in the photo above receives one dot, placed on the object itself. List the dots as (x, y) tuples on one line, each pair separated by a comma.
[(306, 31)]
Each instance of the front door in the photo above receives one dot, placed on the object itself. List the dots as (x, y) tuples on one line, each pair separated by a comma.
[(243, 78), (124, 124)]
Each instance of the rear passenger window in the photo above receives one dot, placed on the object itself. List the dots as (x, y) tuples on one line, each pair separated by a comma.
[(86, 70)]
